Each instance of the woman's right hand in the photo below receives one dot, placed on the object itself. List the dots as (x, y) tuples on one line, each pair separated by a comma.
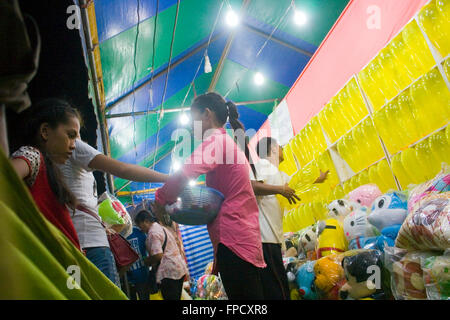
[(289, 194)]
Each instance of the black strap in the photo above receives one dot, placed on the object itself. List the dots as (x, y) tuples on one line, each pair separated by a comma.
[(165, 241)]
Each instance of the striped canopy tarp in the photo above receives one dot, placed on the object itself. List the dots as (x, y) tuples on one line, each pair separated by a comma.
[(150, 56), (198, 249)]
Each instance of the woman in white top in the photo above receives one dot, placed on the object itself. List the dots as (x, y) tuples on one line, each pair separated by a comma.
[(77, 174)]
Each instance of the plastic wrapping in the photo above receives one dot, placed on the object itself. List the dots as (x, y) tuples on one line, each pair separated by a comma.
[(114, 214), (363, 272), (305, 281), (427, 226), (387, 215), (436, 275), (365, 195), (329, 276), (441, 183), (340, 208), (209, 268), (359, 232), (407, 279), (331, 238), (209, 287), (307, 243)]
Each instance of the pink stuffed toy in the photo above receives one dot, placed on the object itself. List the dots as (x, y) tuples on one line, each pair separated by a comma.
[(365, 195)]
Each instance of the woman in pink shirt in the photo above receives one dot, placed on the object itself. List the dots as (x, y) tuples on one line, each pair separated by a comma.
[(235, 232)]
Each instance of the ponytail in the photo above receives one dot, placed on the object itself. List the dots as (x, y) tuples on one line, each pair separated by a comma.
[(238, 128), (225, 110)]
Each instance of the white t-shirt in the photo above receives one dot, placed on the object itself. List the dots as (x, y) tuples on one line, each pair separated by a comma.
[(269, 207), (81, 182)]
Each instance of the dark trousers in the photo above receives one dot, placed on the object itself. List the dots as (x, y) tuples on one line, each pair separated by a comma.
[(140, 291), (171, 289), (241, 279), (274, 279)]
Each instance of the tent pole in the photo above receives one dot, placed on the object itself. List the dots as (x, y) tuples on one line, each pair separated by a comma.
[(99, 103), (142, 113), (3, 131), (226, 50), (275, 39), (163, 71)]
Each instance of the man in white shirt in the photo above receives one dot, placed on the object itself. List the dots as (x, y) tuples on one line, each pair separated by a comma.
[(269, 182), (78, 176)]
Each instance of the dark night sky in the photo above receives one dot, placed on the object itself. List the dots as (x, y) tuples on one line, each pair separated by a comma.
[(62, 71)]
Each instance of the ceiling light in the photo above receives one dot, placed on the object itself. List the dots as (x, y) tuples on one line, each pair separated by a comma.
[(300, 18), (232, 18), (176, 166), (192, 183), (184, 118), (259, 78)]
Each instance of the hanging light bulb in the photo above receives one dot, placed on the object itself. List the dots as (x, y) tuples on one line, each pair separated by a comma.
[(192, 183), (184, 119), (232, 18), (300, 18), (259, 78), (176, 166), (208, 67)]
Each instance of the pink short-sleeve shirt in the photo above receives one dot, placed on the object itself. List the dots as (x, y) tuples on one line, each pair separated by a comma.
[(227, 170), (172, 264)]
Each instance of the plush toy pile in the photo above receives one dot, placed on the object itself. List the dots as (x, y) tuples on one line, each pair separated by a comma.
[(376, 246), (208, 286)]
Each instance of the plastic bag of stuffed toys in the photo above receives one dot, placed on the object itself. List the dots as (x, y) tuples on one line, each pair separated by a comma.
[(427, 226), (114, 214), (208, 286), (436, 276), (407, 279)]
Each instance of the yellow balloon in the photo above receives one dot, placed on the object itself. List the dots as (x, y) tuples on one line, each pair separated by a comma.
[(412, 166)]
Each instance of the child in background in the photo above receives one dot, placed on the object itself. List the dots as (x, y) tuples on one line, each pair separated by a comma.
[(164, 255), (138, 275)]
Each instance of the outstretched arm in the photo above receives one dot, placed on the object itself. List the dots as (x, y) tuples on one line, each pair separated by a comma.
[(125, 170), (263, 189)]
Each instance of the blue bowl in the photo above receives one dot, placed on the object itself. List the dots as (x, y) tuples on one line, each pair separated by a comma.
[(196, 205)]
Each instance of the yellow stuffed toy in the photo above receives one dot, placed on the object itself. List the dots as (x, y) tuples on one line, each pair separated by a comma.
[(331, 238), (330, 276)]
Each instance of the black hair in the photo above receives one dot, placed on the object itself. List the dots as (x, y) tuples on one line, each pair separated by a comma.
[(225, 110), (53, 111), (357, 265), (264, 146), (145, 215)]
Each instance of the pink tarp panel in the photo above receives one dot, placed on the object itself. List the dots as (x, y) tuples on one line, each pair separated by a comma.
[(350, 45)]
